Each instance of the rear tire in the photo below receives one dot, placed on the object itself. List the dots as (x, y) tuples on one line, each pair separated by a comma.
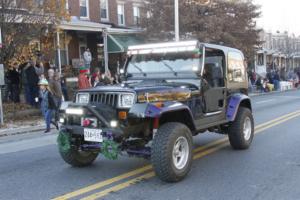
[(172, 152), (241, 130)]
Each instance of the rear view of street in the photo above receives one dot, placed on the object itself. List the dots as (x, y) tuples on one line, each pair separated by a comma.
[(31, 167)]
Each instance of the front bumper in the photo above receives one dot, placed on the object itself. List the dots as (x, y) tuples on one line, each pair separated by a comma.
[(103, 114), (79, 131)]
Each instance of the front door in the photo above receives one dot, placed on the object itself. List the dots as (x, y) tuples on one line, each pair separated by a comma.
[(213, 84)]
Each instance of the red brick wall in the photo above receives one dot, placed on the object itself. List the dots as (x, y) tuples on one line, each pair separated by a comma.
[(113, 11), (94, 10), (73, 47), (74, 7), (128, 9)]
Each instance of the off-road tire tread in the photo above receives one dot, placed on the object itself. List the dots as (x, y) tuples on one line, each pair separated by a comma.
[(235, 131), (75, 159), (162, 164)]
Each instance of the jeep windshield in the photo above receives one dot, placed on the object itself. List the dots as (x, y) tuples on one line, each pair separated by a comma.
[(178, 64)]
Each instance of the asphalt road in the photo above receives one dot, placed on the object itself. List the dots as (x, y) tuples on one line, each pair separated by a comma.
[(31, 168)]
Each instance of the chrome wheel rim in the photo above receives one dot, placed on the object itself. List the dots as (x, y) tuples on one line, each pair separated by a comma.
[(180, 153), (247, 130)]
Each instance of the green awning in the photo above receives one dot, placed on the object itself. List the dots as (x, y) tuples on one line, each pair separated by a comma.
[(118, 43)]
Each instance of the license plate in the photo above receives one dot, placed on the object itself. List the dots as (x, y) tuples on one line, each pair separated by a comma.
[(93, 135)]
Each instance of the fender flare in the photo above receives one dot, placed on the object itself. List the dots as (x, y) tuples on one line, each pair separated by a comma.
[(235, 102), (150, 110)]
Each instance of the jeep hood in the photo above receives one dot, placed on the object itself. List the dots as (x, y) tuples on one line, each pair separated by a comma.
[(151, 91)]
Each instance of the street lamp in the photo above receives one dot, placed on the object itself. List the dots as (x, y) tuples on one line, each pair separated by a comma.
[(176, 3)]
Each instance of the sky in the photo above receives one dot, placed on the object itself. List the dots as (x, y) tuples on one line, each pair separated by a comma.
[(280, 15)]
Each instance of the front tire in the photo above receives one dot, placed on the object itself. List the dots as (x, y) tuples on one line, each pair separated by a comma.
[(241, 130), (78, 158), (72, 155), (172, 152)]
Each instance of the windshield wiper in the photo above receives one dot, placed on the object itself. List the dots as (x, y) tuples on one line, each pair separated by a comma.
[(170, 68), (137, 67)]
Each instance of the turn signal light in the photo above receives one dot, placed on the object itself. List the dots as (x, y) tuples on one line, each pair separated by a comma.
[(159, 104), (122, 115)]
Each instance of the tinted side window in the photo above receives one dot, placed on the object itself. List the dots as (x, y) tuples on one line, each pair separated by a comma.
[(236, 68)]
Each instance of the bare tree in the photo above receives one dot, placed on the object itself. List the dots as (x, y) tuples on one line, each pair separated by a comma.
[(230, 23), (22, 21)]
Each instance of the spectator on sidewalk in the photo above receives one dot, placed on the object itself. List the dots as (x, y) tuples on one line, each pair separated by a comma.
[(32, 80), (95, 75), (259, 84), (24, 84), (83, 79), (55, 87), (276, 81), (64, 87), (39, 69), (98, 82), (14, 81), (87, 57), (47, 103)]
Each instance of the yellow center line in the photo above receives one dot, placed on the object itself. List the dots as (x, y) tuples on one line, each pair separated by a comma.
[(276, 123), (104, 183), (120, 186), (277, 119), (149, 167)]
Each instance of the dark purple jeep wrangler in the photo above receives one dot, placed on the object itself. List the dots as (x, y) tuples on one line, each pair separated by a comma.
[(170, 92)]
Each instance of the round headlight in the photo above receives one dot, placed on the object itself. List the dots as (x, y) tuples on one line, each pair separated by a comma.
[(126, 100)]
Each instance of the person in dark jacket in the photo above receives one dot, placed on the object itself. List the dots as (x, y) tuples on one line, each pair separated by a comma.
[(32, 83), (47, 103), (14, 79), (64, 87)]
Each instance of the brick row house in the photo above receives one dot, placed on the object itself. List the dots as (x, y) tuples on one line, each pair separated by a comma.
[(102, 26)]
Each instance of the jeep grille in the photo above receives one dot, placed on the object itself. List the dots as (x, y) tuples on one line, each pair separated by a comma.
[(110, 99)]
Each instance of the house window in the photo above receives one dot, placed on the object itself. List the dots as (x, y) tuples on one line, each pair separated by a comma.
[(121, 20), (84, 8), (136, 15), (104, 9)]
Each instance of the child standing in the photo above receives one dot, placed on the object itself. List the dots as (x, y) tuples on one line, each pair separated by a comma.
[(48, 104)]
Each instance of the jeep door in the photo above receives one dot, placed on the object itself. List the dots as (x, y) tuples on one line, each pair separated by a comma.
[(213, 84)]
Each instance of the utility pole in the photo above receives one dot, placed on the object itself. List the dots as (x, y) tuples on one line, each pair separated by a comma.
[(176, 20), (58, 50), (105, 38), (1, 83)]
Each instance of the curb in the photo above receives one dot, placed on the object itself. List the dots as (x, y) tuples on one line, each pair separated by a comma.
[(22, 130), (269, 93)]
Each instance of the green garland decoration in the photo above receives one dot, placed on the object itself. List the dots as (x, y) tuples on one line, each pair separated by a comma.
[(63, 141), (110, 149)]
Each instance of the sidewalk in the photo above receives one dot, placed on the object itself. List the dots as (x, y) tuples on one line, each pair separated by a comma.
[(253, 94), (22, 127)]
